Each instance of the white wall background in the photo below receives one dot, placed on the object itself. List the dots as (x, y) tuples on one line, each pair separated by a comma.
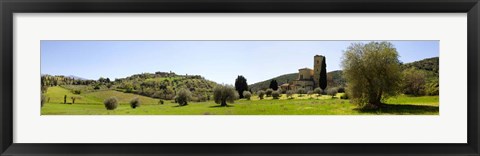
[(448, 127)]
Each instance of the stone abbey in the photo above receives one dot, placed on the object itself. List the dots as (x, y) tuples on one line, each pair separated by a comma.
[(307, 78)]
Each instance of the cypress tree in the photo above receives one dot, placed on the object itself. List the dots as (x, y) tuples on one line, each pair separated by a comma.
[(241, 85), (323, 75), (273, 84)]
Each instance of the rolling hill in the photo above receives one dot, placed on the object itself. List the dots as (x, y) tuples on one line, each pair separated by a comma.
[(336, 79)]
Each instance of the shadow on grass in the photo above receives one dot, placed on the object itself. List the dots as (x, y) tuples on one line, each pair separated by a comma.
[(179, 105), (218, 106), (401, 109)]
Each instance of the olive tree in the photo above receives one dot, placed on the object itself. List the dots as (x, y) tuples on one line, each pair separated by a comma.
[(269, 92), (111, 103), (276, 95), (318, 91), (332, 92), (260, 94), (135, 102), (183, 96), (247, 95), (372, 72), (290, 94), (224, 93), (75, 98), (301, 91)]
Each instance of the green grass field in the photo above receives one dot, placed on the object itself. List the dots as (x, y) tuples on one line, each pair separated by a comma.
[(92, 104)]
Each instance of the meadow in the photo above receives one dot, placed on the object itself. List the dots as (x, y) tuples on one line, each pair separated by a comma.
[(91, 103)]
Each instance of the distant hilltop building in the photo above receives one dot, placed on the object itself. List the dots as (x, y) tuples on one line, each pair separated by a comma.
[(307, 78)]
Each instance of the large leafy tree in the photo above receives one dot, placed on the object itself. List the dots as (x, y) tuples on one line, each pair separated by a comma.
[(241, 85), (323, 75), (372, 72), (273, 84), (223, 94)]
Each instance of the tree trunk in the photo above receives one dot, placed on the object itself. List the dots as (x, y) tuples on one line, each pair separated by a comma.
[(224, 104)]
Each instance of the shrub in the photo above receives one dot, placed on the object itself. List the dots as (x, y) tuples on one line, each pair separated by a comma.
[(135, 102), (318, 91), (290, 94), (281, 91), (341, 90), (301, 91), (332, 92), (183, 96), (76, 91), (247, 95), (260, 94), (269, 92), (275, 94), (111, 103), (161, 102)]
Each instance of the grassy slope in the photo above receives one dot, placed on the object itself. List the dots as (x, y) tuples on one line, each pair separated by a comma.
[(306, 105), (57, 93), (123, 98)]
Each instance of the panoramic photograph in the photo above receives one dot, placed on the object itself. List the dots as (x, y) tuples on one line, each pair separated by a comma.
[(83, 77)]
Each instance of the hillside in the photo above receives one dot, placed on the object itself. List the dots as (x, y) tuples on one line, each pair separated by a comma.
[(280, 79), (429, 64), (335, 78), (164, 85)]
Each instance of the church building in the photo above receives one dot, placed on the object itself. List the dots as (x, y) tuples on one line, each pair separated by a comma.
[(307, 78)]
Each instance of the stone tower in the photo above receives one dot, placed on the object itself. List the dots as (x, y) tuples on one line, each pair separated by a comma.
[(317, 67)]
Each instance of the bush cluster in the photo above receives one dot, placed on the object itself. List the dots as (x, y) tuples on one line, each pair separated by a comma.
[(301, 91)]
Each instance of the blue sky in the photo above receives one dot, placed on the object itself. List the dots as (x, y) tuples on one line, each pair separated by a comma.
[(220, 61)]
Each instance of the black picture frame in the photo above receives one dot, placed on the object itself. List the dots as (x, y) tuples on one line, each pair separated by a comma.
[(8, 7)]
